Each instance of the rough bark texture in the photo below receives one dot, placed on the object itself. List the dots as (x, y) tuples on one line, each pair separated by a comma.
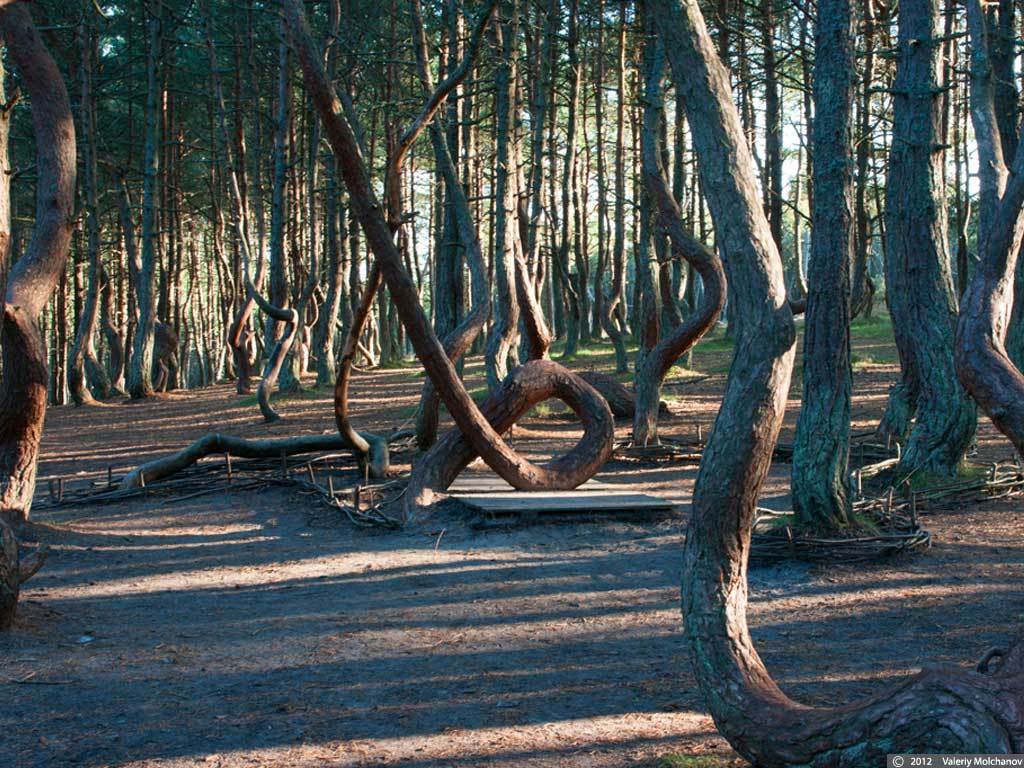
[(939, 710), (822, 445), (471, 422), (919, 282), (502, 336), (34, 277)]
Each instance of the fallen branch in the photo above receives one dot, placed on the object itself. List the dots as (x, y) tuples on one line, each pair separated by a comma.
[(216, 443)]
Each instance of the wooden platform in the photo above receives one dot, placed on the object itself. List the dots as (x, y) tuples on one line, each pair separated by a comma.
[(480, 482), (497, 504)]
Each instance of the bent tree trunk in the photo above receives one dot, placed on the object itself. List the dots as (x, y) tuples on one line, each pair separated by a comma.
[(919, 283), (658, 361), (34, 277), (512, 467), (822, 444), (948, 710)]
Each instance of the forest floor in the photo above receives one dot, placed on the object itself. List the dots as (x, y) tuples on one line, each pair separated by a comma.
[(254, 628)]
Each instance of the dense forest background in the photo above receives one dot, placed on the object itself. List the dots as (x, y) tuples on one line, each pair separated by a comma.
[(556, 93)]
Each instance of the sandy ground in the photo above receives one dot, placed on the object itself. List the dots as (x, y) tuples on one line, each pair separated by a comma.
[(255, 628)]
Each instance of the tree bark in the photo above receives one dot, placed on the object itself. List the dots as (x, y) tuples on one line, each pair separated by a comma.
[(657, 361), (919, 282), (34, 277), (939, 710), (471, 422), (140, 383), (822, 444), (501, 340), (83, 366), (613, 308)]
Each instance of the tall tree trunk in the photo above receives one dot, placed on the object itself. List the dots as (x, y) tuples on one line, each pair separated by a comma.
[(570, 281), (614, 310), (863, 289), (501, 341), (919, 282), (140, 381), (35, 275), (822, 444), (84, 367)]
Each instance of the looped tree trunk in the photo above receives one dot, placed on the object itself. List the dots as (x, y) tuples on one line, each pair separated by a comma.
[(529, 384), (473, 425)]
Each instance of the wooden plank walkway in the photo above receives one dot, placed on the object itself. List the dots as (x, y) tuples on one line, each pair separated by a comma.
[(497, 504)]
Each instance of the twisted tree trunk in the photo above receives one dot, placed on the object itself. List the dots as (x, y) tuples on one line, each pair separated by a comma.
[(939, 710), (512, 467)]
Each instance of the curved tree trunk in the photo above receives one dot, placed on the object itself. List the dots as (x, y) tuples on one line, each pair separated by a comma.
[(33, 279), (658, 360), (461, 338), (512, 467), (822, 444), (947, 710), (982, 362)]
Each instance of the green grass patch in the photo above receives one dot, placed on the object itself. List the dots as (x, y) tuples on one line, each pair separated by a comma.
[(929, 481), (875, 328)]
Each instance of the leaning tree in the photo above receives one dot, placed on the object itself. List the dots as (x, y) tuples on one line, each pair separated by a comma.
[(936, 710), (30, 285)]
